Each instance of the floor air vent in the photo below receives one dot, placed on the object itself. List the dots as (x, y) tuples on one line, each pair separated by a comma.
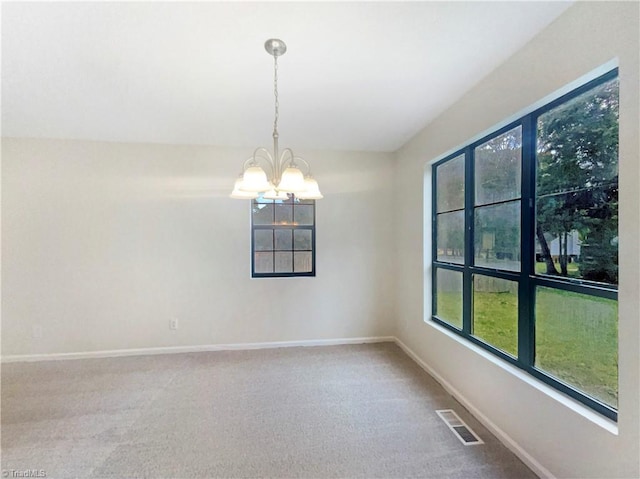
[(460, 429)]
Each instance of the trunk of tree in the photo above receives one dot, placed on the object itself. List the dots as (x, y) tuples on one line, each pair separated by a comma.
[(559, 259), (562, 250), (546, 253)]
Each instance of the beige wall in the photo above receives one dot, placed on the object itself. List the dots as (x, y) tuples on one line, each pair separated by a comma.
[(554, 432), (104, 243)]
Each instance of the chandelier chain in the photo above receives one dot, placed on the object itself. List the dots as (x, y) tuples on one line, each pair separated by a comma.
[(275, 93)]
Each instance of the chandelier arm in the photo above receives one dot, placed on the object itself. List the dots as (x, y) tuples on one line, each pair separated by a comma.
[(248, 162), (262, 149), (256, 155), (266, 159), (286, 158), (299, 158), (260, 155), (283, 157)]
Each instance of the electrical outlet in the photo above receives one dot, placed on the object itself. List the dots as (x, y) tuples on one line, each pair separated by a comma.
[(173, 324)]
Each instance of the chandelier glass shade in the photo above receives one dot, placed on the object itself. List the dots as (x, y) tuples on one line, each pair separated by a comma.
[(276, 175)]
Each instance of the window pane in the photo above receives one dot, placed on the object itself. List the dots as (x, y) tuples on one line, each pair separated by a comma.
[(497, 236), (577, 142), (262, 214), (450, 185), (284, 262), (577, 187), (263, 262), (283, 239), (263, 240), (498, 164), (284, 214), (302, 239), (495, 312), (302, 262), (450, 237), (303, 214), (449, 297), (577, 341)]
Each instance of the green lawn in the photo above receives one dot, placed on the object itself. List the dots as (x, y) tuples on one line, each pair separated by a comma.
[(573, 269), (495, 320), (576, 335)]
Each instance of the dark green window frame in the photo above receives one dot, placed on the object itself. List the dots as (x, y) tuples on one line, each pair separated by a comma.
[(273, 226), (527, 280)]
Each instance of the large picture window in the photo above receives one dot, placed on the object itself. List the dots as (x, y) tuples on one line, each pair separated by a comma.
[(525, 243), (283, 237)]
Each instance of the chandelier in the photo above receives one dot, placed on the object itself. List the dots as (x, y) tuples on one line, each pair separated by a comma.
[(285, 175)]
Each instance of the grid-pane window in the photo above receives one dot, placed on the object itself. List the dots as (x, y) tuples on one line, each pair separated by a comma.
[(525, 243), (283, 237)]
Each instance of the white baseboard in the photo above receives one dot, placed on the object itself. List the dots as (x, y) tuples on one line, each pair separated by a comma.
[(193, 349), (504, 438)]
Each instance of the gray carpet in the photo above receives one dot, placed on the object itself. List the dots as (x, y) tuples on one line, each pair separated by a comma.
[(362, 411)]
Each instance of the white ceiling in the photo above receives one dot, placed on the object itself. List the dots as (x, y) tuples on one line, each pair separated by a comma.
[(356, 76)]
